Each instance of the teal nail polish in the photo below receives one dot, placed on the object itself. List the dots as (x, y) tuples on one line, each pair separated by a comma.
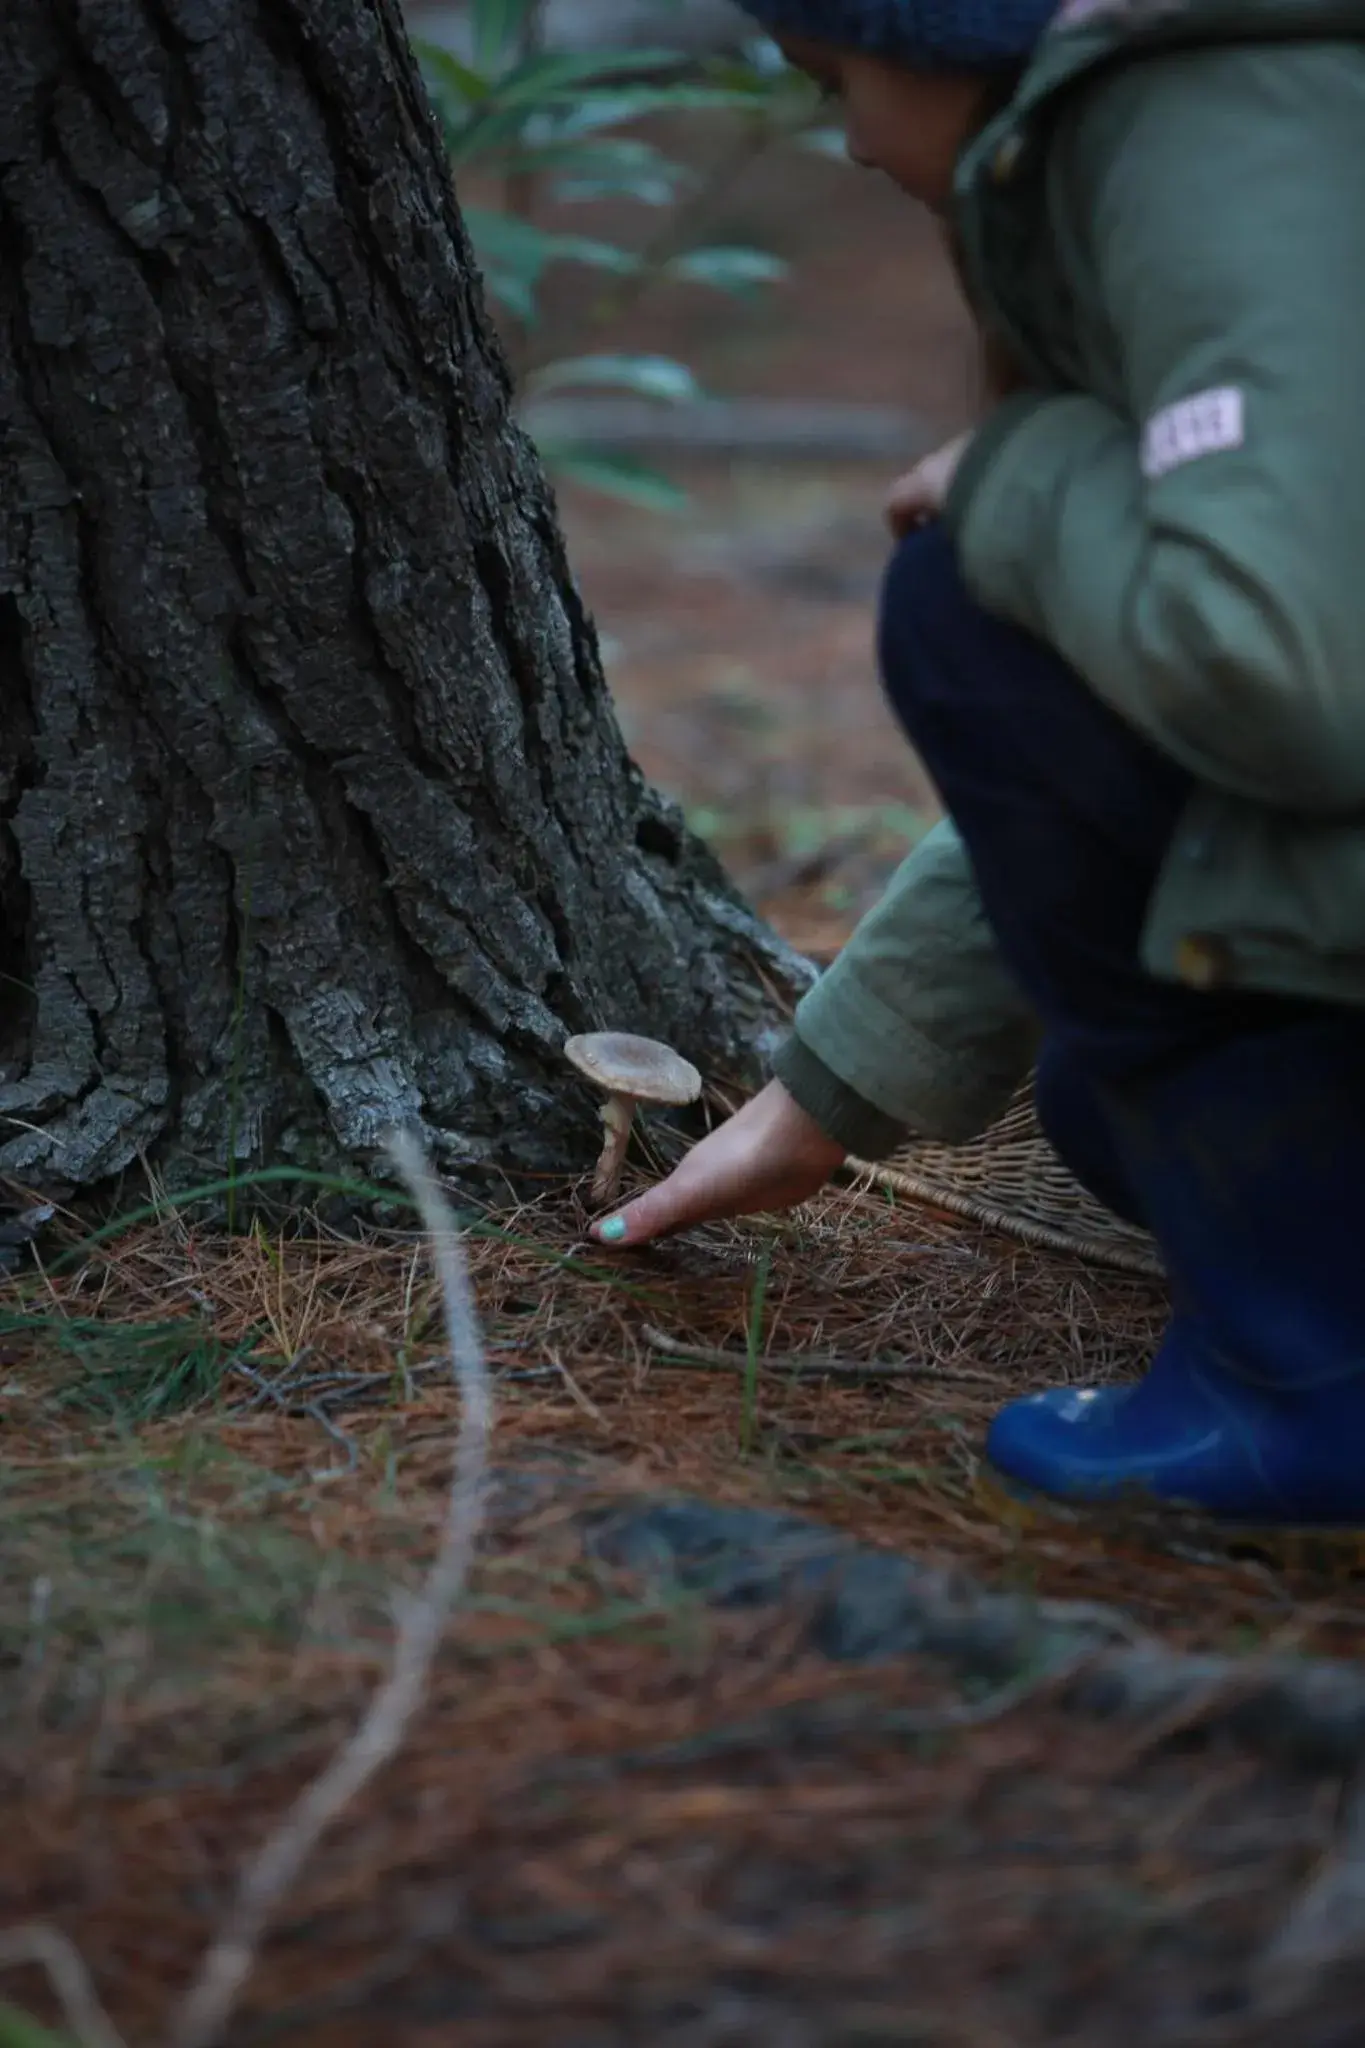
[(613, 1230)]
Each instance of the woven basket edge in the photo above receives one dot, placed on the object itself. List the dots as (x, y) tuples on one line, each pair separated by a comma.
[(1095, 1250)]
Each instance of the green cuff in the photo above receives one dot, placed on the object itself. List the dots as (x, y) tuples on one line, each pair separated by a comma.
[(842, 1114), (981, 451), (940, 1093)]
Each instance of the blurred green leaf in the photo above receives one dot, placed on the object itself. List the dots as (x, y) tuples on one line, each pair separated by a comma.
[(757, 74), (770, 85), (645, 191), (486, 137), (17, 2030), (512, 293), (620, 157), (514, 254), (621, 168), (705, 820), (764, 58), (448, 78), (829, 142), (491, 130), (544, 80), (611, 108), (728, 270), (517, 112), (647, 376), (619, 476), (498, 27)]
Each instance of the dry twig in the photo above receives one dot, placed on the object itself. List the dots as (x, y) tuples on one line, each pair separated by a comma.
[(810, 1365)]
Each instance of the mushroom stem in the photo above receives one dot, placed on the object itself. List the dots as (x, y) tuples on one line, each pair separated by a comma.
[(618, 1114)]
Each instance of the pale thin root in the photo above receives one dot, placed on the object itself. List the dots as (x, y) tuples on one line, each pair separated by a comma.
[(48, 1949), (268, 1879)]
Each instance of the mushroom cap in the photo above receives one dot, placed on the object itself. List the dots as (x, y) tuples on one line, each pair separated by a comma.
[(641, 1067)]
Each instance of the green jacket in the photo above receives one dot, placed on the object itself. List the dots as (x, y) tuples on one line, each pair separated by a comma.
[(1168, 226)]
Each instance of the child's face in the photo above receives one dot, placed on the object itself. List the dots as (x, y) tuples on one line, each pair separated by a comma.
[(912, 125)]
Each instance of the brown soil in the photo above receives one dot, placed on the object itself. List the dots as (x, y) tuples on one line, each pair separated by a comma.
[(620, 1818)]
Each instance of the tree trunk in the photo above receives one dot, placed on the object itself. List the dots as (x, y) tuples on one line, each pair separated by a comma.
[(314, 816)]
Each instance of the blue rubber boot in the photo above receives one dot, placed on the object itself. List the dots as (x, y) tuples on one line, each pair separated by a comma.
[(1245, 1160)]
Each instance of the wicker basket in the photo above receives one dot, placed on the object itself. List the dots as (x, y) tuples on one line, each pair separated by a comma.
[(1011, 1179)]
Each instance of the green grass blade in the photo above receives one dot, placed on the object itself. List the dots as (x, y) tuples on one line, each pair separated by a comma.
[(748, 1425), (17, 2030)]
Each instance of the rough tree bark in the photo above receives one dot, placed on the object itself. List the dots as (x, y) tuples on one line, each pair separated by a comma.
[(314, 816)]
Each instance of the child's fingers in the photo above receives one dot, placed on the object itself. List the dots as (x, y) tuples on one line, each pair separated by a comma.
[(921, 493), (902, 521), (769, 1155), (907, 505), (661, 1209)]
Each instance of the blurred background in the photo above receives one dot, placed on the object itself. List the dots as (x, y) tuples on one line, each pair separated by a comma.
[(727, 342)]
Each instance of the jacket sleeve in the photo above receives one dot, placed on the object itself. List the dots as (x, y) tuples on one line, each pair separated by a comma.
[(1196, 549), (917, 1027)]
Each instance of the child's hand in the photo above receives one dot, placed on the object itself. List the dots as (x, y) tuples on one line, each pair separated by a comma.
[(922, 492), (769, 1155)]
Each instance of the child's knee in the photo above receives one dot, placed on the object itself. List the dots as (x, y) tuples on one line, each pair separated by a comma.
[(924, 618), (921, 578)]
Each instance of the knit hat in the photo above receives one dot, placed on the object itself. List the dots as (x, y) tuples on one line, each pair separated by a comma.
[(924, 35)]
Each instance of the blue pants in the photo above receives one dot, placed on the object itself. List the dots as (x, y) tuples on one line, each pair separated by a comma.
[(1066, 813)]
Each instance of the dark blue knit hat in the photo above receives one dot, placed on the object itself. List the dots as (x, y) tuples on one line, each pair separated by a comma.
[(926, 35)]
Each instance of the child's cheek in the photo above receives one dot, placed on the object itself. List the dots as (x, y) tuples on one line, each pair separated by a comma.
[(855, 145)]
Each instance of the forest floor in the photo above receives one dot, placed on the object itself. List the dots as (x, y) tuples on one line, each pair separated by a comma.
[(666, 1787), (639, 1805)]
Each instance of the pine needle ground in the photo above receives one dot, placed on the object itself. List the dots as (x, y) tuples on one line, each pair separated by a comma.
[(220, 1454)]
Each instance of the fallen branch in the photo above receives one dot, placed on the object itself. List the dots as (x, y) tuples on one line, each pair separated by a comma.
[(863, 1605), (818, 1725), (806, 1365), (212, 1998)]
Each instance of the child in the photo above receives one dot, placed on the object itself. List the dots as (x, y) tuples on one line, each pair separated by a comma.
[(1125, 629)]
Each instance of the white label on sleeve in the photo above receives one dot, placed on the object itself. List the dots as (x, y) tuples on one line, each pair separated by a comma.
[(1207, 424), (1072, 12)]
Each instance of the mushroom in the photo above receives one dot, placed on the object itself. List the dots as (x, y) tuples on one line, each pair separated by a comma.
[(630, 1070)]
